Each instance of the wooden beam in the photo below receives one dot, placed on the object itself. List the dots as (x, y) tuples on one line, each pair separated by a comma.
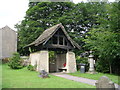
[(59, 46)]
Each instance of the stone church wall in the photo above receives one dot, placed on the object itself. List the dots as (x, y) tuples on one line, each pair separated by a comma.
[(8, 42)]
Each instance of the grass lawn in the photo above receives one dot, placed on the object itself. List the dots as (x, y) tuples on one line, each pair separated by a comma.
[(0, 75), (24, 78), (113, 78)]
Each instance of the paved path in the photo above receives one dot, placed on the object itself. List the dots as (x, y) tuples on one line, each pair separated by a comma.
[(79, 79)]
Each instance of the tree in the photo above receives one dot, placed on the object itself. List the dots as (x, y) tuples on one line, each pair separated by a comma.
[(93, 25), (105, 39), (76, 18), (39, 17)]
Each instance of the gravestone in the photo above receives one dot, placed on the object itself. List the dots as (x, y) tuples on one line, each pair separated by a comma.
[(43, 74), (105, 83), (91, 64)]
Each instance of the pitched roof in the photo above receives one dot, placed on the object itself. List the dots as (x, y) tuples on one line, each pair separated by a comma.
[(48, 33), (7, 28)]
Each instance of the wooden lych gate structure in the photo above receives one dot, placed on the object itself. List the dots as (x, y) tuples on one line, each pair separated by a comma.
[(54, 39)]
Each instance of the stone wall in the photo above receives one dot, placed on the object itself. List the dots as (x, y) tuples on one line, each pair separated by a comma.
[(8, 41), (41, 59), (44, 61), (34, 58), (0, 44), (71, 62)]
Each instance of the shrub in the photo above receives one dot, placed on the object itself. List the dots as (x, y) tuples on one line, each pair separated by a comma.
[(101, 67), (15, 61), (32, 68)]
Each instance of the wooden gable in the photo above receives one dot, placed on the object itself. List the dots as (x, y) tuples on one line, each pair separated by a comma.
[(59, 40), (54, 38)]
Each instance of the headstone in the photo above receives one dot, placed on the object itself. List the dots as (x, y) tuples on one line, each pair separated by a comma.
[(105, 83), (91, 64), (43, 74)]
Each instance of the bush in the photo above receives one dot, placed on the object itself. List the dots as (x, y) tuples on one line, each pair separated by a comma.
[(31, 68), (102, 67), (15, 61)]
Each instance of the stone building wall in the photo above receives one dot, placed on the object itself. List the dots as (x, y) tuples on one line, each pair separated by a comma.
[(0, 44), (8, 41)]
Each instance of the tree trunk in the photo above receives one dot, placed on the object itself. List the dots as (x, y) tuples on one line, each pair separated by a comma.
[(110, 67)]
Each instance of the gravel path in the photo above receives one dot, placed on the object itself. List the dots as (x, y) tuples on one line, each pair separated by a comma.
[(79, 79)]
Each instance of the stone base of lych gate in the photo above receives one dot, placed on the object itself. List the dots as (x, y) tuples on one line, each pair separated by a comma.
[(41, 59), (69, 59), (71, 62)]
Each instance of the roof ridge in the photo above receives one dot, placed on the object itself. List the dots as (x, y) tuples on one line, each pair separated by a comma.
[(7, 27)]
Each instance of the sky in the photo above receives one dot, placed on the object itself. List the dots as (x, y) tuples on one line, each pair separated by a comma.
[(13, 11)]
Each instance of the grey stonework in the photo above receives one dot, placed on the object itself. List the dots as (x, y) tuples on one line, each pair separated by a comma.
[(104, 82), (44, 61), (8, 42), (91, 64), (71, 62), (0, 44), (41, 59)]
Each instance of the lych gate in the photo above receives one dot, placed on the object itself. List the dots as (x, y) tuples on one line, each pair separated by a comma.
[(54, 39)]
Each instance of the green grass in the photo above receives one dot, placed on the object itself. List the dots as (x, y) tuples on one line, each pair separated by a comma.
[(113, 78), (0, 75), (23, 78)]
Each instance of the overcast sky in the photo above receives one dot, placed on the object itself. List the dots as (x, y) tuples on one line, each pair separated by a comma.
[(13, 11)]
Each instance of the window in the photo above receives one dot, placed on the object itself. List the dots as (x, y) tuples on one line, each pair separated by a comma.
[(54, 39), (61, 40), (65, 42), (50, 41)]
